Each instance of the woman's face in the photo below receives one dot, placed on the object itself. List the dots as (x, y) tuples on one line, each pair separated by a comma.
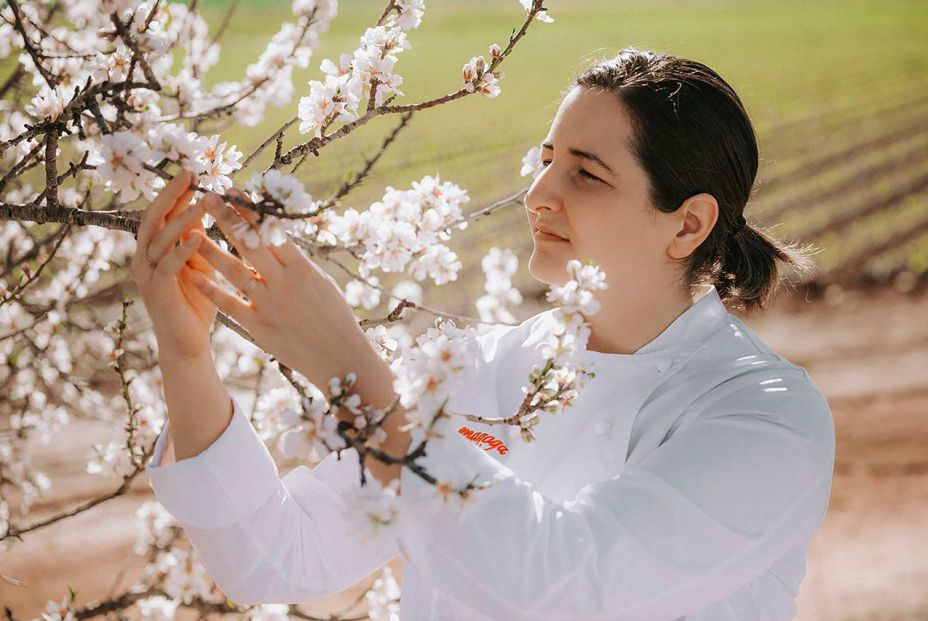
[(597, 201)]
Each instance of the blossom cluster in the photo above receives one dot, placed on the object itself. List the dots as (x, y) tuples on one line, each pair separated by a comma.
[(124, 83), (338, 98), (553, 386), (427, 373), (478, 79), (285, 194), (501, 297), (403, 231)]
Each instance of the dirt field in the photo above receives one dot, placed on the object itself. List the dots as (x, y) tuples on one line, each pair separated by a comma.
[(868, 352)]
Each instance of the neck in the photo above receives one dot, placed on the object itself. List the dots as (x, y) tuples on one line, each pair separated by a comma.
[(627, 322)]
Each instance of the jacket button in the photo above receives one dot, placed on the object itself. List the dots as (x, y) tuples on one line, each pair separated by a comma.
[(663, 366)]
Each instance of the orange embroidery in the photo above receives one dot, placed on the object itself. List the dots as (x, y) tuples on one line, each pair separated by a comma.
[(484, 438)]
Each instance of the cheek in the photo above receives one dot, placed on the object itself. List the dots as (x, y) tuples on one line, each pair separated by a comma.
[(617, 242)]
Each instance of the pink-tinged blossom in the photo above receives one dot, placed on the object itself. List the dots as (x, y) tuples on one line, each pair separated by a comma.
[(404, 229), (218, 161), (478, 79), (113, 66), (333, 101), (171, 142), (309, 435), (120, 160), (422, 374), (386, 340)]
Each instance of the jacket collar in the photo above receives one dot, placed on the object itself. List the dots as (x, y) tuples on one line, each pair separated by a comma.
[(685, 335), (692, 326)]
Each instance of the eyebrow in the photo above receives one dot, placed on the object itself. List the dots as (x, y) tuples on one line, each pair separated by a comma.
[(587, 155)]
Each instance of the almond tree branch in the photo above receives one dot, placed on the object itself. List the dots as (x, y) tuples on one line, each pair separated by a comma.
[(316, 143), (51, 80)]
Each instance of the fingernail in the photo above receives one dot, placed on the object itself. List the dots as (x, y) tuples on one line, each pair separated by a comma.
[(193, 240)]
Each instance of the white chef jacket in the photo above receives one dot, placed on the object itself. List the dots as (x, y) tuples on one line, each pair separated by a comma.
[(685, 482)]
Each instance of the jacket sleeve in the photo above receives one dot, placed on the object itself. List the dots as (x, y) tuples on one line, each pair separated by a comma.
[(261, 538), (715, 505)]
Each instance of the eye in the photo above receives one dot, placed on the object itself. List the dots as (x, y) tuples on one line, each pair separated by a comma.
[(582, 171)]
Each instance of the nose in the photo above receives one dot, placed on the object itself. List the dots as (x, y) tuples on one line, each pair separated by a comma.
[(542, 195)]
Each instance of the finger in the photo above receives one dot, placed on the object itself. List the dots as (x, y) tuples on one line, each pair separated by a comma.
[(231, 267), (176, 258), (287, 253), (197, 261), (153, 217), (172, 231), (229, 221), (240, 310)]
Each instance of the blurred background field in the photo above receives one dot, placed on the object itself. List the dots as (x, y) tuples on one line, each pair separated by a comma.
[(838, 92)]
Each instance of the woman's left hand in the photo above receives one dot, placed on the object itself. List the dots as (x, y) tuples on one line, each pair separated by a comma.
[(295, 311)]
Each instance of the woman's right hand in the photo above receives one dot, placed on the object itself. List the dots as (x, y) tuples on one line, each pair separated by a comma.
[(181, 316)]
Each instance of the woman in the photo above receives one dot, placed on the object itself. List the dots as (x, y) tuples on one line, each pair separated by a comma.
[(688, 477)]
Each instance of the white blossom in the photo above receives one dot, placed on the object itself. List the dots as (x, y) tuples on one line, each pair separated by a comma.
[(540, 15), (359, 293), (157, 608), (422, 373), (310, 435), (409, 290), (218, 162), (335, 100), (59, 612), (154, 525), (288, 193), (531, 163), (48, 103), (383, 597), (372, 509), (120, 164), (410, 13), (186, 578)]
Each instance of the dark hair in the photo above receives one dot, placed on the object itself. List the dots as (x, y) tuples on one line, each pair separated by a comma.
[(693, 135)]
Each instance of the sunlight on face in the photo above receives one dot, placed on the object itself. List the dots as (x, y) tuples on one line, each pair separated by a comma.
[(593, 194)]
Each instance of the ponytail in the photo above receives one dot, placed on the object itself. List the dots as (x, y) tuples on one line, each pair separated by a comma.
[(748, 273)]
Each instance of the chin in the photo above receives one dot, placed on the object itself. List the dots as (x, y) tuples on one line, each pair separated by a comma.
[(548, 269)]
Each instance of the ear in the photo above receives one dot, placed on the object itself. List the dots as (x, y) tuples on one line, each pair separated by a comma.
[(695, 219)]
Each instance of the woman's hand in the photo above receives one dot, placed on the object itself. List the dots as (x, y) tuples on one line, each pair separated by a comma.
[(181, 314), (294, 310)]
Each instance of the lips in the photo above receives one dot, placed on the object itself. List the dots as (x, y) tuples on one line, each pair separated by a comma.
[(544, 229)]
